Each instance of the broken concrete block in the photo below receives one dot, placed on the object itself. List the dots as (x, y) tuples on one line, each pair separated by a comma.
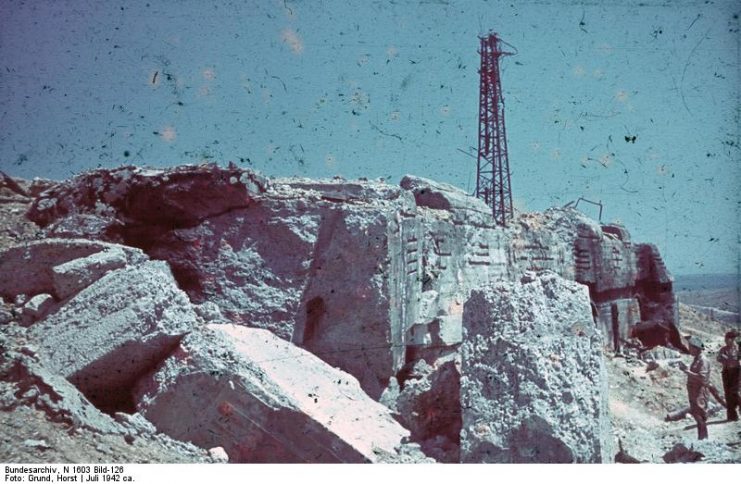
[(36, 308), (181, 196), (264, 400), (429, 406), (390, 394), (218, 455), (73, 276), (6, 314), (442, 196), (209, 312), (439, 321), (135, 423), (37, 444), (86, 226), (534, 384), (51, 393), (31, 263), (340, 190), (115, 330)]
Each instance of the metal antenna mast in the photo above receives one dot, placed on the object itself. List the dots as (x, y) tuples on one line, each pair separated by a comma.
[(492, 170)]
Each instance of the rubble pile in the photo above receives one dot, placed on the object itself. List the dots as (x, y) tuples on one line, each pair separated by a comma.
[(279, 312)]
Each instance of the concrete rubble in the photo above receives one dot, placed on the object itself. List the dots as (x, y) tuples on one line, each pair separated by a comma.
[(369, 282), (115, 316), (112, 332), (268, 253), (26, 382), (33, 264), (73, 276), (533, 384), (429, 406), (264, 400), (37, 307), (47, 390)]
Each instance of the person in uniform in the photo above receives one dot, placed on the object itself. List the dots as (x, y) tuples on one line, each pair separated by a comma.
[(728, 356), (698, 378)]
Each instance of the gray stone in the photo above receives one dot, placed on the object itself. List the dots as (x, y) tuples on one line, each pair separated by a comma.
[(135, 423), (32, 263), (113, 331), (37, 307), (429, 406), (391, 394), (442, 196), (37, 444), (6, 314), (533, 385), (73, 276), (53, 394), (264, 400), (218, 455), (209, 312), (86, 226)]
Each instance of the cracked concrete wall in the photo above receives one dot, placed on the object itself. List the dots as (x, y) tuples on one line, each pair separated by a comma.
[(616, 270), (457, 256), (360, 291), (463, 251)]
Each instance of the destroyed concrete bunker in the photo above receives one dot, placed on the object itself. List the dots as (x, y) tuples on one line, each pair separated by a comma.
[(298, 320)]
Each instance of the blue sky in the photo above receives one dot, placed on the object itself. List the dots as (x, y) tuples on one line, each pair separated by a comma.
[(384, 88)]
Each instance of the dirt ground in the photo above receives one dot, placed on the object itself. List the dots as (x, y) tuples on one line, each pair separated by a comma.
[(29, 437), (643, 392)]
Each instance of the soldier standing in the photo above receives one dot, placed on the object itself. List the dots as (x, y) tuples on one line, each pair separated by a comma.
[(728, 356), (698, 378)]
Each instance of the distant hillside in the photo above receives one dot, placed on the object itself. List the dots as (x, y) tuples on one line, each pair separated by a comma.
[(691, 282), (694, 282), (709, 292)]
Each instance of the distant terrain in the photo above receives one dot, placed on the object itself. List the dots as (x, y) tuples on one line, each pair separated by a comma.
[(716, 295), (696, 282)]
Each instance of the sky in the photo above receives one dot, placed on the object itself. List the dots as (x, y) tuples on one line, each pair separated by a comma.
[(635, 105)]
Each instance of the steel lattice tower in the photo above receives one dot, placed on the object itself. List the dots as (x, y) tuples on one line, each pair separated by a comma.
[(492, 171)]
